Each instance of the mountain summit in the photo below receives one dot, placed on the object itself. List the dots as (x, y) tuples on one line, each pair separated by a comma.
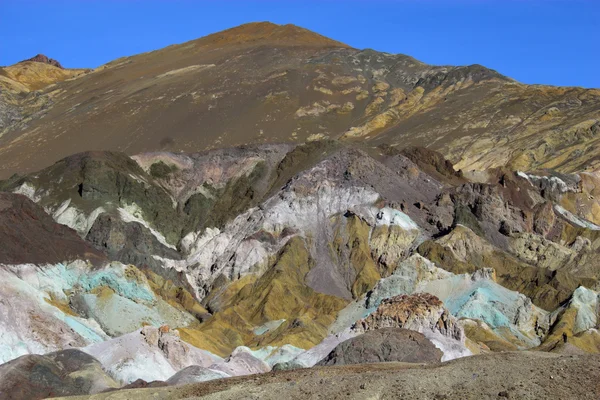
[(268, 32), (44, 60), (265, 83)]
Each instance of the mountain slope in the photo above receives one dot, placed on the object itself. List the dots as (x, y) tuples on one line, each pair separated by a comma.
[(267, 83), (243, 260)]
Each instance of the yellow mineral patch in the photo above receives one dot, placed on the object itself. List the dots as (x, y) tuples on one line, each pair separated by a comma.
[(280, 293), (323, 90), (381, 86), (62, 305), (176, 296), (353, 235), (410, 106), (343, 80), (346, 108), (390, 244), (362, 95), (36, 75), (374, 106), (103, 293), (355, 89), (484, 337), (315, 136), (397, 95)]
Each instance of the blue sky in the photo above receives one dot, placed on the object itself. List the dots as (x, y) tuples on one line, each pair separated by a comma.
[(534, 41)]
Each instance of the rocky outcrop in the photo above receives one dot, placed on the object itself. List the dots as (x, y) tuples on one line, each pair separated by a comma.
[(241, 362), (463, 251), (419, 312), (342, 234), (62, 373), (384, 345), (45, 60), (128, 242), (509, 314), (575, 324)]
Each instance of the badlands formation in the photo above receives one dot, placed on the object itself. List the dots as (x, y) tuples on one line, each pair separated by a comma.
[(287, 226)]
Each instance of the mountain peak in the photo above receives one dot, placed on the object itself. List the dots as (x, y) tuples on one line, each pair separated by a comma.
[(288, 34), (44, 60)]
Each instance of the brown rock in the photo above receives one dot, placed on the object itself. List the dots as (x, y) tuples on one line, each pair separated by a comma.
[(418, 312), (29, 235), (544, 219), (45, 60)]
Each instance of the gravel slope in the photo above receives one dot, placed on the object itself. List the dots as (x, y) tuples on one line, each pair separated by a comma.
[(519, 375)]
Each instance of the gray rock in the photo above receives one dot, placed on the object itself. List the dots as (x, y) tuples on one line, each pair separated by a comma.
[(384, 345), (195, 373)]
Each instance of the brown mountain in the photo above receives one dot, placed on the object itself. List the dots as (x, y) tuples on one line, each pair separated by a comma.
[(263, 82)]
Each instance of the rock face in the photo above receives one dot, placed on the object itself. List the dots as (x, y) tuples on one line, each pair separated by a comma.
[(63, 373), (127, 242), (384, 345), (45, 60)]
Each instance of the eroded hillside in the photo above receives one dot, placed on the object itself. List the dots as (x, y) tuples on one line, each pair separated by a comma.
[(270, 256)]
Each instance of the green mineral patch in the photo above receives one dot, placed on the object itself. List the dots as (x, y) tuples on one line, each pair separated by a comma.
[(300, 158), (215, 207), (161, 170)]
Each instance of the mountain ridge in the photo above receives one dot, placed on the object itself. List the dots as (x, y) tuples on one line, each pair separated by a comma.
[(262, 82)]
